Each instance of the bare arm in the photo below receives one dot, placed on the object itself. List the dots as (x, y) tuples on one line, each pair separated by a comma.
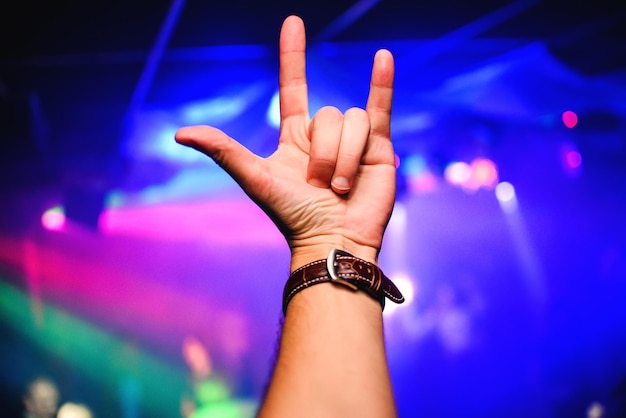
[(332, 358), (329, 185)]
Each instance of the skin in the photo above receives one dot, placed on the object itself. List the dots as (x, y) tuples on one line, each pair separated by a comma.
[(329, 184)]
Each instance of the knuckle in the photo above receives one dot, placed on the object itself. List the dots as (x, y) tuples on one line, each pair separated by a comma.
[(356, 111), (322, 160), (330, 112), (357, 114)]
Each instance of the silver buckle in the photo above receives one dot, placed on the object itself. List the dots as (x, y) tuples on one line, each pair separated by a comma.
[(331, 266)]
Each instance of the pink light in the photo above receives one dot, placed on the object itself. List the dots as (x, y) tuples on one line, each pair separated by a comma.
[(570, 119), (53, 219), (573, 159), (223, 221), (485, 172), (110, 291), (197, 357), (423, 182)]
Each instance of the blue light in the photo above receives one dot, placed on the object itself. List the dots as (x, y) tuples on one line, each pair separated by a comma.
[(214, 111), (273, 111)]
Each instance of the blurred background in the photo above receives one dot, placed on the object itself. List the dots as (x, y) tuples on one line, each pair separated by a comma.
[(140, 278)]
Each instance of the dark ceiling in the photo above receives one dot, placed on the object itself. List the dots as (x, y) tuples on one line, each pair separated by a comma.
[(590, 35), (56, 56)]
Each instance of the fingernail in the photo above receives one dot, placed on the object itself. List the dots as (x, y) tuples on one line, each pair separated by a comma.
[(318, 183), (341, 183)]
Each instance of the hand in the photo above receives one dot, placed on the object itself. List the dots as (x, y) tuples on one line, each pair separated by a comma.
[(331, 181)]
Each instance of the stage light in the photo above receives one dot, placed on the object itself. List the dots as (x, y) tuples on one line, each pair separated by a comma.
[(164, 146), (424, 182), (415, 174), (398, 221), (152, 138), (95, 351), (197, 357), (273, 112), (571, 159), (484, 172), (53, 218), (458, 173), (414, 165), (570, 119), (216, 111), (408, 290), (505, 193)]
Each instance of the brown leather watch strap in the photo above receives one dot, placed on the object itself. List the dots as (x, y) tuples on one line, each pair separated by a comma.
[(344, 269)]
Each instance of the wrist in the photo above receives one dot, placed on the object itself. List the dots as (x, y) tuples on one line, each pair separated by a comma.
[(344, 270), (303, 253)]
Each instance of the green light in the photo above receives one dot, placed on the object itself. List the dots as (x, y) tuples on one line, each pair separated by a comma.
[(107, 359)]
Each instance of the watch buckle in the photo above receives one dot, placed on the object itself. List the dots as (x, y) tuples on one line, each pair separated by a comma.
[(331, 266)]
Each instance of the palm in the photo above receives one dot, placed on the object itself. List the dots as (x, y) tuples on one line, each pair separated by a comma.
[(302, 211), (281, 184)]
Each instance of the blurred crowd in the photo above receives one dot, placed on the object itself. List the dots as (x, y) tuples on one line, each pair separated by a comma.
[(42, 400)]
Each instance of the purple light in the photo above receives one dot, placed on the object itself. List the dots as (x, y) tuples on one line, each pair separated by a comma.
[(573, 159)]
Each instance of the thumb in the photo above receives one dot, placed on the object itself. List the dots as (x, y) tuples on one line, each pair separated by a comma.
[(239, 162)]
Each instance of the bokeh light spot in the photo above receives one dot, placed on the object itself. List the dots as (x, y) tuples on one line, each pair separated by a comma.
[(505, 192), (573, 159), (197, 357), (273, 112), (53, 218), (458, 173), (570, 119), (408, 290), (484, 172)]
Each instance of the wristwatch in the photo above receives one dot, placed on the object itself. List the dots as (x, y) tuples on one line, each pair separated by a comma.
[(344, 269)]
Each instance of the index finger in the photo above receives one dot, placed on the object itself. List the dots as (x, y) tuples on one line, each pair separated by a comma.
[(380, 96), (293, 94)]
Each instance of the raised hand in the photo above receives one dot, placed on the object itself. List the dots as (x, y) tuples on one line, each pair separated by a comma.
[(331, 181)]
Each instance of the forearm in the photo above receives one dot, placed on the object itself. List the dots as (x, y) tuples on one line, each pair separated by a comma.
[(332, 360)]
